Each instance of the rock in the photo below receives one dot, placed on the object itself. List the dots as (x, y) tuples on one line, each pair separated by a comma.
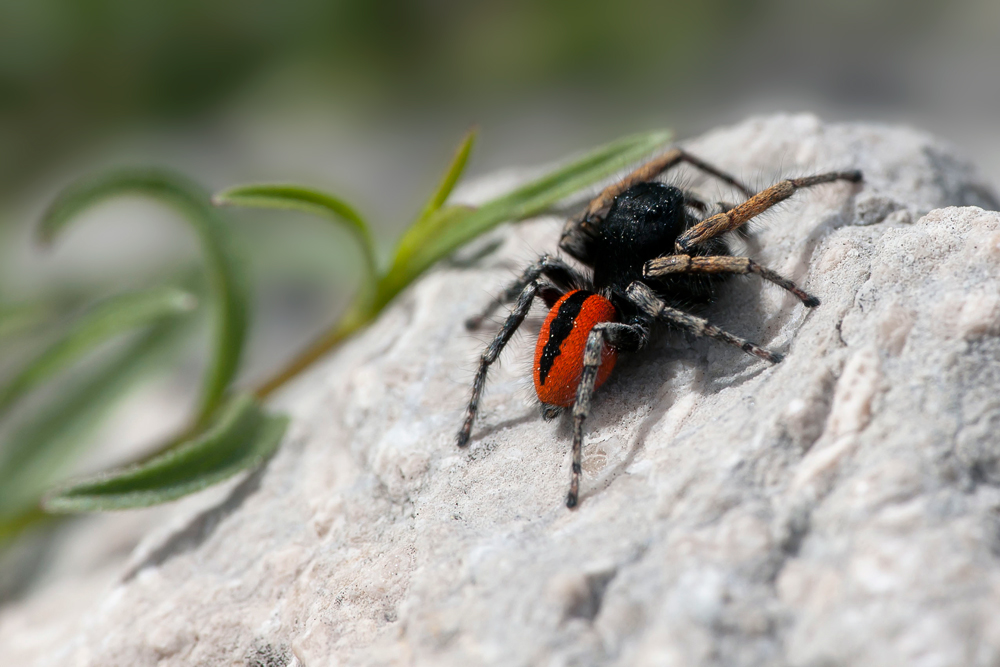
[(840, 508)]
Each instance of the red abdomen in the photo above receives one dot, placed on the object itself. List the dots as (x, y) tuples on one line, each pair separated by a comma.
[(559, 354)]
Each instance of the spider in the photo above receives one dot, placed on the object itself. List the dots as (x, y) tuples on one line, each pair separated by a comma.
[(650, 249)]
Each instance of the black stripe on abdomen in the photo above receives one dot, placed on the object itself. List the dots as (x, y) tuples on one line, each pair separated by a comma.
[(559, 329)]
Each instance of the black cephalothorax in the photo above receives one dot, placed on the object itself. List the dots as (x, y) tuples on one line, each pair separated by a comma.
[(643, 223), (651, 254)]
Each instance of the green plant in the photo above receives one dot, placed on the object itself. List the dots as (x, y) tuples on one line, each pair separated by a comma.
[(232, 431)]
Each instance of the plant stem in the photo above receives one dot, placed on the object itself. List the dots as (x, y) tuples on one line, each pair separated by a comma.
[(356, 317)]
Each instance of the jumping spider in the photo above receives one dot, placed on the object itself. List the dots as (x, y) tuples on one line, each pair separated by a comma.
[(649, 251)]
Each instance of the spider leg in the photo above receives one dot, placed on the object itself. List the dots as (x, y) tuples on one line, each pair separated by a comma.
[(644, 298), (561, 274), (674, 264), (732, 219), (578, 231), (651, 170), (490, 355), (625, 337)]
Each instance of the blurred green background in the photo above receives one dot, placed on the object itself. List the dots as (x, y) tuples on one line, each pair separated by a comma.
[(83, 80), (368, 98)]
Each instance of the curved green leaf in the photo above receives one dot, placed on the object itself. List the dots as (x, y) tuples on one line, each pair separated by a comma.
[(241, 438), (451, 175), (39, 447), (451, 227), (113, 316), (231, 301), (306, 200)]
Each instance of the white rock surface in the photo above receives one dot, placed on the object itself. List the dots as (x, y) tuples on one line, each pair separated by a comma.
[(841, 508)]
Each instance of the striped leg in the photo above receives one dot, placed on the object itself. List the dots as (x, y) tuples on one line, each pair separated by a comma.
[(721, 223), (490, 355), (675, 264), (625, 337), (649, 303), (579, 230), (651, 170), (556, 270)]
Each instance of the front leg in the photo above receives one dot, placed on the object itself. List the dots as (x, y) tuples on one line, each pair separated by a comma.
[(625, 337), (490, 355), (676, 264), (734, 218), (562, 275), (650, 170), (579, 232)]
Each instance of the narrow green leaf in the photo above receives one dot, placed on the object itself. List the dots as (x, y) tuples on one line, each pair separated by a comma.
[(451, 175), (450, 227), (241, 438), (40, 446), (306, 200), (228, 285), (539, 195), (113, 316), (422, 248)]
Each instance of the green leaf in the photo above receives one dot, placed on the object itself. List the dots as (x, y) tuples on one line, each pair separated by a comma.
[(449, 228), (451, 175), (41, 445), (306, 200), (228, 286), (241, 438), (114, 316)]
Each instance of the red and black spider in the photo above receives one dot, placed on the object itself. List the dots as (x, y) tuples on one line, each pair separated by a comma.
[(649, 251)]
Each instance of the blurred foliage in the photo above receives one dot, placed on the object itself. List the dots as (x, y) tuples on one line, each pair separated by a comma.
[(73, 71), (225, 275), (107, 319), (242, 437)]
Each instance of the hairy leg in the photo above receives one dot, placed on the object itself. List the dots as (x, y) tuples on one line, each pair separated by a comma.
[(644, 298), (490, 355), (561, 274), (732, 219), (625, 337), (579, 230), (677, 264), (651, 170)]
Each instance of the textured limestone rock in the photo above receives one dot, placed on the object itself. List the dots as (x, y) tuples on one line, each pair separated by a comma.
[(841, 508)]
